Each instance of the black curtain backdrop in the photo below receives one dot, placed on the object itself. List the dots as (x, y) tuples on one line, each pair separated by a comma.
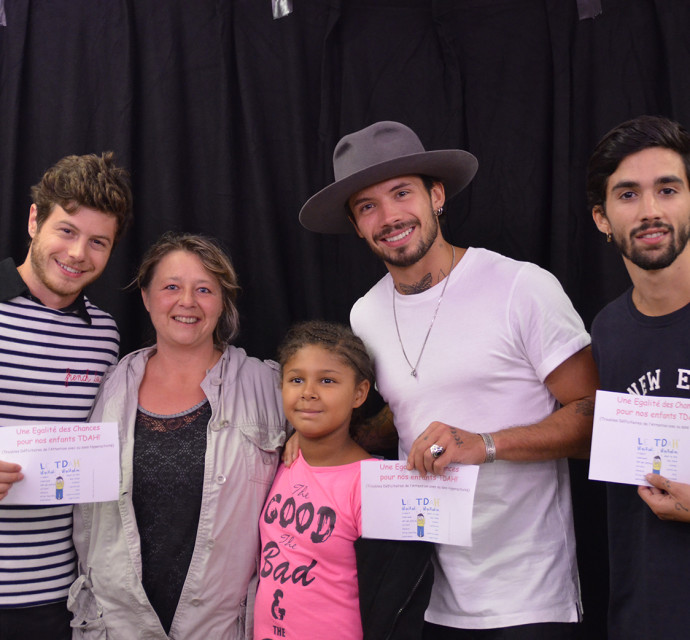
[(227, 119)]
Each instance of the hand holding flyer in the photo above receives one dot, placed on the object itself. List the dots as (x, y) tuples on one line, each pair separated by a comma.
[(398, 504), (63, 463), (636, 435)]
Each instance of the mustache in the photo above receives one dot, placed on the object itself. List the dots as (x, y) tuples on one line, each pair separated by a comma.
[(651, 226), (400, 226)]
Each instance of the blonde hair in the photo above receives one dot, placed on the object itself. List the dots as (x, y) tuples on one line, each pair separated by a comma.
[(214, 260)]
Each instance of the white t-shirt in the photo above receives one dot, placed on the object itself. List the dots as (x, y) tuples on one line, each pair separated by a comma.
[(502, 327)]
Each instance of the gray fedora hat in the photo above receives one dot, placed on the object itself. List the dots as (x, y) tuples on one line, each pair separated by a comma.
[(376, 153)]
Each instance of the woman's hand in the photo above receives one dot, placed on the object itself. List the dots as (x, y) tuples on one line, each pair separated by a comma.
[(291, 449)]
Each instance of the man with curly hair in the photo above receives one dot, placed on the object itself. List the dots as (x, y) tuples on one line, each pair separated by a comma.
[(56, 347)]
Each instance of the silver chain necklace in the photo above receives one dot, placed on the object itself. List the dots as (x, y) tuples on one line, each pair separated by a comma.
[(413, 369)]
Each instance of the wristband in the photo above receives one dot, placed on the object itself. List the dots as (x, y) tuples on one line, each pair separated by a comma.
[(490, 447)]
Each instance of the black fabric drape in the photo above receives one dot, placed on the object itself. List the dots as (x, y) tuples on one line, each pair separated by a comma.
[(228, 118)]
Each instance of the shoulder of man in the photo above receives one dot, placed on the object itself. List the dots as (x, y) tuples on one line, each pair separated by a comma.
[(610, 314)]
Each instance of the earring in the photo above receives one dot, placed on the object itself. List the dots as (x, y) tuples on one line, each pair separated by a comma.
[(608, 237), (439, 212)]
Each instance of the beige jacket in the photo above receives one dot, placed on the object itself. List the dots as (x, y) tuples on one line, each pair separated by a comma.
[(246, 430)]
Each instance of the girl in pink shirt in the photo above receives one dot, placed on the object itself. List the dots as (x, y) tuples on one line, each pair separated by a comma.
[(318, 578), (308, 571)]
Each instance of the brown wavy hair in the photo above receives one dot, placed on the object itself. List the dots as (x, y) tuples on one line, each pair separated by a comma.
[(89, 181)]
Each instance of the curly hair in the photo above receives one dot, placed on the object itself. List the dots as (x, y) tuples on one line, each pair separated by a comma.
[(336, 338), (214, 260), (85, 181)]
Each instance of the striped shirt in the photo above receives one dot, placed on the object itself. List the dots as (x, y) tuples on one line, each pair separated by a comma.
[(51, 365)]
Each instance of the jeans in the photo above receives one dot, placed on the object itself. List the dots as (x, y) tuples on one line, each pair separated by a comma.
[(45, 622)]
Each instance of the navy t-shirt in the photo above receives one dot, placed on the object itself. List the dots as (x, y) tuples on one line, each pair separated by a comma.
[(649, 558)]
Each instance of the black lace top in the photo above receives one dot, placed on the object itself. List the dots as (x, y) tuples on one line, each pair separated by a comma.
[(167, 487)]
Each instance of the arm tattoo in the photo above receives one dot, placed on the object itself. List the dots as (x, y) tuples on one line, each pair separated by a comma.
[(585, 407)]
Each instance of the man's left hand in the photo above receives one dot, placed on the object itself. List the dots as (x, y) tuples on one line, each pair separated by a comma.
[(667, 499), (460, 446)]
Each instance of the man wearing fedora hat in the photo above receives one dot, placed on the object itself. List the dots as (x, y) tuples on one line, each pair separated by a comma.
[(482, 360)]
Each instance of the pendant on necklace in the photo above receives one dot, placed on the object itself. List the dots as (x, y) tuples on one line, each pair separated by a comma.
[(413, 369)]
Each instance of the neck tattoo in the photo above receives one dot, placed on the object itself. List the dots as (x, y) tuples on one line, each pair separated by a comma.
[(417, 287), (413, 369)]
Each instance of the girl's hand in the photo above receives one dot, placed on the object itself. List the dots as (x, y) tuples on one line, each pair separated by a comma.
[(291, 449)]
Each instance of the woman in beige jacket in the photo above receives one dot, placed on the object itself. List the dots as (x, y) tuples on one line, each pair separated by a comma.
[(200, 427)]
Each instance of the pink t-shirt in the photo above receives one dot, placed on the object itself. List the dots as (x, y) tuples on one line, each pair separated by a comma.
[(307, 572)]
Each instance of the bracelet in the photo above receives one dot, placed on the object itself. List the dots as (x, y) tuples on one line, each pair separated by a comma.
[(490, 447)]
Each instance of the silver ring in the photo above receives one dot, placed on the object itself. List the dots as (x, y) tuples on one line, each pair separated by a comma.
[(437, 450)]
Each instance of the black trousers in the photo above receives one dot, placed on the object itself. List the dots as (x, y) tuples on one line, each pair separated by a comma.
[(541, 631), (45, 622)]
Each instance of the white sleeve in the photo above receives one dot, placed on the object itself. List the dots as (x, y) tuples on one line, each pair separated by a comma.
[(544, 320)]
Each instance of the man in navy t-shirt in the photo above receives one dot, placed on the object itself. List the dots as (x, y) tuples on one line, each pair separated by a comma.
[(637, 188)]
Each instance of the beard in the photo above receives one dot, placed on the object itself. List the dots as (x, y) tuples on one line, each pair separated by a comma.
[(40, 261), (649, 260), (406, 256)]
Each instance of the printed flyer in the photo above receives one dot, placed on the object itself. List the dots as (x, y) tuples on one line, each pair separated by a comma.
[(63, 463), (636, 435), (398, 504)]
